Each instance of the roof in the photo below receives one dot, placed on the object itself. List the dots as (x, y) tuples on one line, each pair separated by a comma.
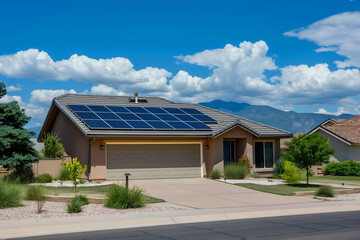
[(346, 129), (225, 121)]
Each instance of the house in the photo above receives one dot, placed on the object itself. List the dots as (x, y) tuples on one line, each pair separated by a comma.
[(344, 137), (152, 137)]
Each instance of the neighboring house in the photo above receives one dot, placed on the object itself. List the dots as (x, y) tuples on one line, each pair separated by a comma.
[(344, 137), (173, 140)]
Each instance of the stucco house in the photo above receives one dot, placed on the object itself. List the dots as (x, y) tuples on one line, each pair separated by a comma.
[(152, 137), (344, 137)]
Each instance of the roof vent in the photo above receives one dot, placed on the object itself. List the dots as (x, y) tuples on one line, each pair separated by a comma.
[(136, 94)]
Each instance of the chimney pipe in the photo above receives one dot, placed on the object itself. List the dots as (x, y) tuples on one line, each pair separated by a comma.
[(136, 97)]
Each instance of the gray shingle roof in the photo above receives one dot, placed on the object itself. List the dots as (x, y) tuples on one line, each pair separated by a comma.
[(225, 121)]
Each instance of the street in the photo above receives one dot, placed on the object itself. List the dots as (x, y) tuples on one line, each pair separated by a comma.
[(343, 225)]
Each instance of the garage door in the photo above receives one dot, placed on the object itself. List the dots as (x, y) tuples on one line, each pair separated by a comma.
[(144, 161)]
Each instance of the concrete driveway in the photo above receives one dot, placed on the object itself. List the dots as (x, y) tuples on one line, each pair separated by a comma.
[(204, 193)]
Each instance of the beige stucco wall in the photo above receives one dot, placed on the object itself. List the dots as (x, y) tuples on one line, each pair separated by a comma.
[(51, 166), (75, 143), (98, 160), (354, 153), (341, 149)]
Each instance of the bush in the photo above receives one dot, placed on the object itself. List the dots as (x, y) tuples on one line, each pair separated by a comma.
[(325, 191), (291, 174), (232, 171), (83, 200), (25, 175), (64, 174), (346, 168), (74, 206), (215, 174), (244, 161), (44, 178), (10, 194), (123, 198), (279, 167), (34, 193), (256, 175), (52, 147)]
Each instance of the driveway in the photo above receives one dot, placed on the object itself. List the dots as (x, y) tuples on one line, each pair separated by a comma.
[(202, 193)]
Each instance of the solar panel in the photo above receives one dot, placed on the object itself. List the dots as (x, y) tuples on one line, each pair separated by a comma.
[(79, 108), (97, 108), (179, 125), (160, 125), (199, 125), (147, 116), (155, 110), (166, 117), (128, 116), (139, 124), (118, 124), (96, 124), (117, 109), (203, 118), (191, 110), (173, 110), (185, 117), (87, 115), (137, 110), (107, 115)]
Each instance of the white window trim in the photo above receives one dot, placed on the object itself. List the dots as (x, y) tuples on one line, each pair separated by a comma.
[(273, 149), (331, 134)]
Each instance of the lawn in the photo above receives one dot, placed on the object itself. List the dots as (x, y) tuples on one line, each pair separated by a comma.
[(91, 192), (282, 189), (347, 180)]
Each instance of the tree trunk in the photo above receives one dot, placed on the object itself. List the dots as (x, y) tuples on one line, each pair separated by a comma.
[(307, 175)]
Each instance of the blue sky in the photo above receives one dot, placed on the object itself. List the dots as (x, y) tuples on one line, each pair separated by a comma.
[(293, 55)]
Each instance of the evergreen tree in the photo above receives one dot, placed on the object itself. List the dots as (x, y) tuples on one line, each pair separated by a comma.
[(308, 150), (17, 151)]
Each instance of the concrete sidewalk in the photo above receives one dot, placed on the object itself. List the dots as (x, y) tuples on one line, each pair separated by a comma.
[(36, 227)]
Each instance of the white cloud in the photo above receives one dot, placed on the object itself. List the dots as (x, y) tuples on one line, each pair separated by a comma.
[(339, 33), (12, 88), (45, 96), (105, 90)]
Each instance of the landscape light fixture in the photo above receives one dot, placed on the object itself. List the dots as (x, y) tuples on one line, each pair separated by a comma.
[(207, 146), (127, 179)]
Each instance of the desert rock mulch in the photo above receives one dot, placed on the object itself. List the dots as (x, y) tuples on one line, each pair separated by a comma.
[(59, 209)]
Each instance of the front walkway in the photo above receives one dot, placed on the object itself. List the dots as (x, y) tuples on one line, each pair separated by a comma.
[(202, 193)]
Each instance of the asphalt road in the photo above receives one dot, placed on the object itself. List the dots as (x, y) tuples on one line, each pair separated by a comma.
[(345, 225)]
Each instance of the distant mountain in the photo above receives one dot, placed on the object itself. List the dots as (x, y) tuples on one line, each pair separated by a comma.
[(36, 130), (289, 121)]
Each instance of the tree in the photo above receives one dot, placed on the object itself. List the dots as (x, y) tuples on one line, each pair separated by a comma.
[(52, 147), (76, 170), (308, 150), (17, 151)]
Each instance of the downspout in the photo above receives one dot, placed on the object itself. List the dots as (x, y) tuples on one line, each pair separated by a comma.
[(89, 159)]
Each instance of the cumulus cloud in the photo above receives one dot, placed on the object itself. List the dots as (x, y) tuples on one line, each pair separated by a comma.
[(12, 88), (45, 96), (105, 90), (339, 33)]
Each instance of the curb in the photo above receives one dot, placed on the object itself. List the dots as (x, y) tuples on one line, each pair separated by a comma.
[(338, 191)]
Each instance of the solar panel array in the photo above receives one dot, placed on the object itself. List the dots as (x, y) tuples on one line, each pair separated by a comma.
[(141, 118)]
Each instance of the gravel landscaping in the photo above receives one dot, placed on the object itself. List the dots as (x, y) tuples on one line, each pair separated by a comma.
[(254, 181), (70, 184), (58, 209), (342, 197)]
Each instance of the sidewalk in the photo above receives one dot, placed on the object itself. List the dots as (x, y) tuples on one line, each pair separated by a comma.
[(36, 227)]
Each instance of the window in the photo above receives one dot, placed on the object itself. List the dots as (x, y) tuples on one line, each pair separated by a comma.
[(264, 155)]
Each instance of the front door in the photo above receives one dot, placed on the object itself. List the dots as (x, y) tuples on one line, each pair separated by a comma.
[(229, 151)]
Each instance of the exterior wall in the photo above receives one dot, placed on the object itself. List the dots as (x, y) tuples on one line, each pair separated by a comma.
[(75, 143), (354, 153), (98, 160), (341, 149), (215, 150), (51, 166)]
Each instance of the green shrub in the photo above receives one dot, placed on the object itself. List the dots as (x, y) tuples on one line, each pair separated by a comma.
[(346, 168), (25, 175), (10, 194), (123, 198), (44, 178), (83, 200), (74, 206), (233, 171), (325, 191), (291, 174), (279, 167), (256, 175), (215, 174), (64, 174), (52, 147), (82, 180), (35, 193)]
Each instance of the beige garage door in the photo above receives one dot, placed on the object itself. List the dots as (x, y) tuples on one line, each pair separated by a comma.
[(144, 161)]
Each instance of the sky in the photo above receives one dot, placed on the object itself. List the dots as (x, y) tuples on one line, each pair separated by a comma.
[(294, 55)]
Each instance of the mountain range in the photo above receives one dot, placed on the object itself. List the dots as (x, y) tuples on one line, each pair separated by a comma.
[(290, 121)]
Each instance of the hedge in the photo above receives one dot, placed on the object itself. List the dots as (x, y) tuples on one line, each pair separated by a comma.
[(346, 168)]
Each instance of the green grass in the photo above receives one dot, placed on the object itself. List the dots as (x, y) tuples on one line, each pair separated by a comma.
[(347, 180), (95, 192), (283, 189)]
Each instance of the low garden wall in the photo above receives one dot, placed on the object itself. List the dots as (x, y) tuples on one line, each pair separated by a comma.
[(51, 166)]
